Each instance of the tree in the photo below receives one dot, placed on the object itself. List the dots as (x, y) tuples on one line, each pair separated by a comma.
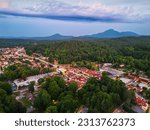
[(31, 87), (25, 73), (73, 87), (68, 104), (16, 107), (19, 71), (1, 110), (101, 102), (40, 81), (52, 88), (103, 95), (127, 108), (11, 75), (148, 94), (42, 101), (60, 81), (116, 98), (9, 104), (51, 109), (6, 86), (3, 95)]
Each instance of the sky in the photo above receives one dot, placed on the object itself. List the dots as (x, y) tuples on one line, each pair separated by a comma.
[(31, 18)]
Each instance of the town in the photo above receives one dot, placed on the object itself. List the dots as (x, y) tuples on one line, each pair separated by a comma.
[(80, 75)]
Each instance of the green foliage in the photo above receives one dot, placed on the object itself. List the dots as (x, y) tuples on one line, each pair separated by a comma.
[(6, 86), (73, 88), (63, 98), (19, 71), (42, 101), (100, 102), (68, 104), (52, 88), (103, 96), (98, 96), (31, 87), (26, 102), (16, 107), (51, 109), (127, 108), (147, 93), (87, 64), (9, 104), (40, 81)]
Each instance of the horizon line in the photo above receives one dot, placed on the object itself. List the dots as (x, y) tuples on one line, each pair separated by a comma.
[(57, 33)]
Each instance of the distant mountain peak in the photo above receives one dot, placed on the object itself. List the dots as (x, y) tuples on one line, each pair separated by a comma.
[(56, 34), (110, 33), (110, 30)]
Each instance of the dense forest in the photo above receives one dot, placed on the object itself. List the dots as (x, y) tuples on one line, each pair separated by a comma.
[(98, 96), (134, 52)]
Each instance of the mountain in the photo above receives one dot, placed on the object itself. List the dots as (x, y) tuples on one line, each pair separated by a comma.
[(59, 37), (111, 33), (54, 37)]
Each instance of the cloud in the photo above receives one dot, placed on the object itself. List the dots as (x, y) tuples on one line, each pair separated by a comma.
[(4, 4), (66, 18), (88, 12), (62, 8)]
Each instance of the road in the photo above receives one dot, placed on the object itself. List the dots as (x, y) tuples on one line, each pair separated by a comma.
[(43, 61), (32, 78)]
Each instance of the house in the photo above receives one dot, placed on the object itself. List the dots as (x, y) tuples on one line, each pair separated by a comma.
[(143, 85), (126, 80)]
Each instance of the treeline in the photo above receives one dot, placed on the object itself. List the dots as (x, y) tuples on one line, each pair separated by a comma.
[(16, 71), (97, 96), (134, 52)]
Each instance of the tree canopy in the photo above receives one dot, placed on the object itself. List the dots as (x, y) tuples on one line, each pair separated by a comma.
[(97, 95)]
